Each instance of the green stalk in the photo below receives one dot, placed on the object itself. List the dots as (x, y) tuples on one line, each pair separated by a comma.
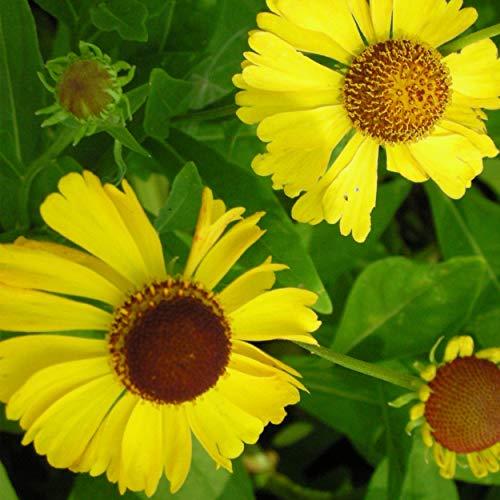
[(456, 45), (386, 374), (62, 140)]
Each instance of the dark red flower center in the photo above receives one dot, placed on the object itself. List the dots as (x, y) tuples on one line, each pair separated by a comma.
[(463, 409), (170, 343)]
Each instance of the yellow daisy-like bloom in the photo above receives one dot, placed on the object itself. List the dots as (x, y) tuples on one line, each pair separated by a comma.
[(176, 358), (387, 85), (459, 407)]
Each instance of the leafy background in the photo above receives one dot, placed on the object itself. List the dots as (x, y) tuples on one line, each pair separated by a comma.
[(428, 269)]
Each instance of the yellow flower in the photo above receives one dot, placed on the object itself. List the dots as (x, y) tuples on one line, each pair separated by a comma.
[(374, 78), (459, 407), (176, 358)]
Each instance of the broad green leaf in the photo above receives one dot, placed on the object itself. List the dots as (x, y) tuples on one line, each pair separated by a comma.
[(212, 76), (292, 433), (491, 174), (467, 227), (421, 482), (183, 203), (128, 17), (240, 187), (6, 490), (167, 97), (399, 307), (21, 93), (65, 11)]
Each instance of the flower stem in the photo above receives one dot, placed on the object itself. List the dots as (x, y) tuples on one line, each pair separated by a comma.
[(456, 45), (386, 374), (62, 140)]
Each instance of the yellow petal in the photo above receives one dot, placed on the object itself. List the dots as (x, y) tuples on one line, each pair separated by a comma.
[(250, 284), (490, 461), (25, 267), (254, 353), (103, 454), (475, 71), (277, 314), (85, 214), (309, 208), (432, 21), (330, 17), (400, 160), (492, 353), (82, 258), (21, 357), (263, 397), (142, 449), (351, 196), (458, 346), (277, 66), (381, 11), (212, 222), (177, 445), (223, 255), (481, 141), (465, 113), (144, 234), (259, 104), (48, 385), (450, 160), (64, 430), (477, 464), (31, 311), (303, 39), (361, 13)]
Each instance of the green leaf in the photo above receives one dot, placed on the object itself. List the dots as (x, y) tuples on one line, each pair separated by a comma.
[(123, 136), (21, 94), (168, 97), (183, 204), (241, 187), (399, 308), (6, 489), (467, 227), (128, 17), (421, 482), (63, 10)]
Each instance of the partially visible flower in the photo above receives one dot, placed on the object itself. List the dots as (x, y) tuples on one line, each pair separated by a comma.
[(459, 408), (88, 90), (373, 78), (172, 355)]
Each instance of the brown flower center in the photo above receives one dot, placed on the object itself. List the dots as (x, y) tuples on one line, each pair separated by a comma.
[(395, 91), (463, 409), (170, 342), (82, 89)]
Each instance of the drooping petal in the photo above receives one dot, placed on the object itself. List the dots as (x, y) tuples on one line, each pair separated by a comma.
[(450, 160), (25, 267), (142, 449), (250, 284), (400, 159), (21, 357), (177, 445), (144, 234), (85, 214), (32, 311), (277, 314), (65, 429), (475, 71), (223, 255), (50, 384)]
